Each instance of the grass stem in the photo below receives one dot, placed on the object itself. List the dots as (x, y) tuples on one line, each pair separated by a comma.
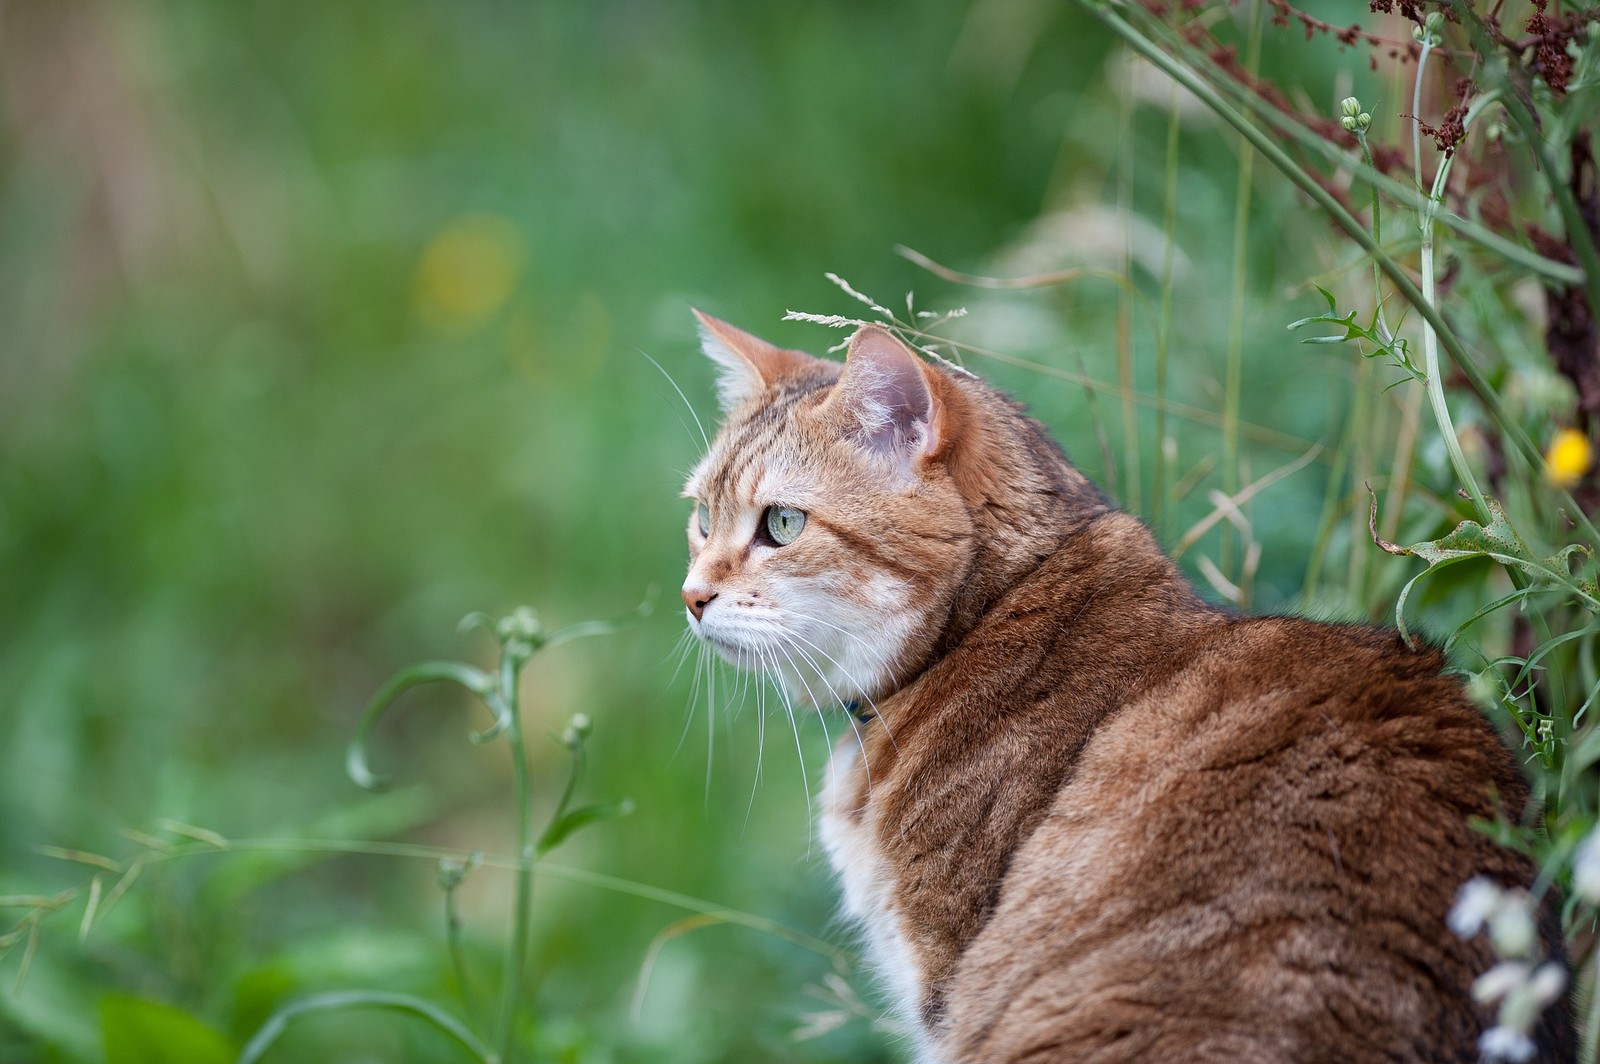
[(1234, 367), (1169, 227)]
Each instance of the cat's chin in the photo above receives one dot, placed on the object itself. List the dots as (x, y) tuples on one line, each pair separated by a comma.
[(739, 654), (794, 672), (735, 654)]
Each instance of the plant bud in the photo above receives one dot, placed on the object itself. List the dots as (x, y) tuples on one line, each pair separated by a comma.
[(578, 728)]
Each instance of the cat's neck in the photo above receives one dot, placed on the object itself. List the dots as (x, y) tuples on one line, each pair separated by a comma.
[(1106, 589), (1102, 617), (1027, 503)]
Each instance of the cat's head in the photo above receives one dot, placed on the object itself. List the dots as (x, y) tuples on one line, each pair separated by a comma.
[(827, 536)]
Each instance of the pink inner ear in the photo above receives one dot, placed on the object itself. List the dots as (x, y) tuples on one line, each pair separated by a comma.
[(885, 389)]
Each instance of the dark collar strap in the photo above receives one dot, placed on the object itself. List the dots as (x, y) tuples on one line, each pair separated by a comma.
[(863, 715)]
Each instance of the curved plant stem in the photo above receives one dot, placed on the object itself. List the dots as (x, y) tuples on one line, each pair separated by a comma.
[(1125, 353), (340, 1000), (1430, 339), (1234, 372), (1169, 226)]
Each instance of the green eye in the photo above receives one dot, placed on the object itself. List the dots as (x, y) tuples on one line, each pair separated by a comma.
[(784, 524), (702, 516)]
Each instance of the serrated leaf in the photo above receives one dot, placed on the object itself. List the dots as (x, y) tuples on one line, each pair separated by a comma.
[(1470, 538), (1499, 542)]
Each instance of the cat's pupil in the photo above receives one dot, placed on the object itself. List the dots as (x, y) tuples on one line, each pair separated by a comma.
[(784, 524)]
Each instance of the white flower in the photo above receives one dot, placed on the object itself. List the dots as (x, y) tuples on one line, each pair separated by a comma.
[(1475, 903), (1586, 868), (1548, 983), (1521, 1008), (1511, 927), (1499, 981), (1503, 1043)]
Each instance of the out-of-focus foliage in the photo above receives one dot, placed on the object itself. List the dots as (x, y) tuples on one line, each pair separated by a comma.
[(325, 324)]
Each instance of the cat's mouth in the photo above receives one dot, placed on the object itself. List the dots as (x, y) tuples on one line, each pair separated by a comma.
[(729, 648), (741, 653)]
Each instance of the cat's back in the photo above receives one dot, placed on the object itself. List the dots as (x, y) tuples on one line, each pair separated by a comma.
[(1253, 860)]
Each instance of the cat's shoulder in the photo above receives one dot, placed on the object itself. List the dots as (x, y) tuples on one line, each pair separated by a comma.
[(1297, 691)]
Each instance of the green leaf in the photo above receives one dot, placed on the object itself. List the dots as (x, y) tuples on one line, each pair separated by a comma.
[(565, 825), (1484, 611), (140, 1031), (1499, 542), (1469, 538)]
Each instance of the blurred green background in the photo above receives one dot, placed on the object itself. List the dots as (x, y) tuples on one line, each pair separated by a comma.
[(325, 324)]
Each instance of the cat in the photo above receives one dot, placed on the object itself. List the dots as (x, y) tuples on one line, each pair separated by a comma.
[(1085, 815)]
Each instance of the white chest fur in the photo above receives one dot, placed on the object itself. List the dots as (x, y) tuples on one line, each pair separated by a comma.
[(869, 891)]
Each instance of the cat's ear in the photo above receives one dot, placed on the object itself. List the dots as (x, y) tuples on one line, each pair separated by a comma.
[(746, 365), (890, 398)]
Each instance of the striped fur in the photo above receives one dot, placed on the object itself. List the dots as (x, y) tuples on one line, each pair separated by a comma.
[(1092, 818)]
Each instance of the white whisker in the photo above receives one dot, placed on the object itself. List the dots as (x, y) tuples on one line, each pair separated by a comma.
[(855, 726), (711, 726), (694, 688), (704, 439), (794, 724), (761, 738), (796, 638)]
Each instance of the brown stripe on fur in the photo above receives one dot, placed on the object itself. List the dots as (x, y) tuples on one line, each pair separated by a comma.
[(867, 548)]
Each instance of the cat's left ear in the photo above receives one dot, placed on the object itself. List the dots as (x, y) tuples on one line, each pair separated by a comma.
[(891, 397), (746, 365)]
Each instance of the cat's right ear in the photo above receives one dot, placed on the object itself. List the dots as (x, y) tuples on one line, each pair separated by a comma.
[(889, 398), (746, 365)]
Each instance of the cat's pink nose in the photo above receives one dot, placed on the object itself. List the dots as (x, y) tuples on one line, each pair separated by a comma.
[(697, 599)]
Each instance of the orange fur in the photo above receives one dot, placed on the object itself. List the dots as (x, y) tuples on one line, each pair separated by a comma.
[(1093, 818)]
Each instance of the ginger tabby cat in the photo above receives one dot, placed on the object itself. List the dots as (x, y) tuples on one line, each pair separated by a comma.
[(1084, 815)]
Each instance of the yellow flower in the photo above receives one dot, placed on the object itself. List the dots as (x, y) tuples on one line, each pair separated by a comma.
[(467, 272), (1568, 457)]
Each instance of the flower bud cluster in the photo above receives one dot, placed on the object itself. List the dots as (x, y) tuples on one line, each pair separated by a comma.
[(1428, 32), (577, 730), (1354, 119)]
